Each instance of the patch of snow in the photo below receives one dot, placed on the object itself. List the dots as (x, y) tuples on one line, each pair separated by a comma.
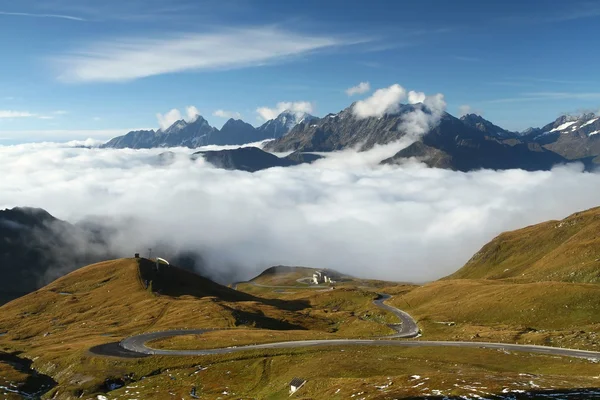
[(594, 133), (591, 121), (563, 126), (416, 376)]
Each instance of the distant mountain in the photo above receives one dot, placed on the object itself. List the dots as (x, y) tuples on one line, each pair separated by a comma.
[(485, 126), (235, 132), (135, 140), (454, 145), (284, 123), (199, 133), (252, 159), (36, 248), (573, 137), (343, 130)]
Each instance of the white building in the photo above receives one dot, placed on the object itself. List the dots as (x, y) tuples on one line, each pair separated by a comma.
[(320, 277), (296, 384)]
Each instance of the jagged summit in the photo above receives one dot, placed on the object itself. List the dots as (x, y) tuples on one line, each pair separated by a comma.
[(284, 123), (478, 122), (198, 132)]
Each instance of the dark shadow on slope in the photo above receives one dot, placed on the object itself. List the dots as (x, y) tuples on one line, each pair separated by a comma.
[(176, 282), (36, 384), (115, 350), (259, 320)]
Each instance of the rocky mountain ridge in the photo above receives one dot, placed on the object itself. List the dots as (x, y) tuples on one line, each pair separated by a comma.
[(198, 132)]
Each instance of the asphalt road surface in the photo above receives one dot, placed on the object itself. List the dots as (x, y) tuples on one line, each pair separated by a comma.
[(407, 329)]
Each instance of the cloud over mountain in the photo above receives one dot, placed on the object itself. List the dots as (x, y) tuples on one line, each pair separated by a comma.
[(383, 101), (298, 107), (227, 114), (405, 223), (169, 118)]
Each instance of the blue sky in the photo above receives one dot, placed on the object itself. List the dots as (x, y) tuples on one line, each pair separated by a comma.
[(73, 69)]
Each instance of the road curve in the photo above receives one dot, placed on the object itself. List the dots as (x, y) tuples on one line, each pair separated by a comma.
[(407, 329)]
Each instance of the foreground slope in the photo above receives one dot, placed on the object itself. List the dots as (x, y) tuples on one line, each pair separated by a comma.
[(106, 302), (539, 284), (566, 251)]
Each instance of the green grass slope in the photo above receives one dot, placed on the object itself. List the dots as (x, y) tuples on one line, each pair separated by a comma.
[(566, 251)]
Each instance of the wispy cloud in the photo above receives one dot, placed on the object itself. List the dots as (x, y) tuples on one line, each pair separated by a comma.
[(11, 114), (33, 15), (572, 12), (62, 134), (467, 59), (540, 96), (16, 114), (361, 88), (297, 107), (227, 114), (133, 58)]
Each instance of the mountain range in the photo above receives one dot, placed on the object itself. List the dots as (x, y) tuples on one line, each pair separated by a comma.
[(198, 132), (463, 144)]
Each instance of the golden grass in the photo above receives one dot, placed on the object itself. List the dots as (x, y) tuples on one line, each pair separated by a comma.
[(107, 302), (567, 250), (550, 313), (374, 372)]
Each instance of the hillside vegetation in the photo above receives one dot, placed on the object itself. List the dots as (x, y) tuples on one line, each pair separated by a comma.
[(539, 285), (566, 251), (106, 302)]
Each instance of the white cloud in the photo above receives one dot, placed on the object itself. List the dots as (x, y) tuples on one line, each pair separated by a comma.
[(168, 119), (408, 224), (416, 97), (464, 109), (62, 135), (10, 114), (416, 121), (174, 115), (227, 114), (192, 113), (59, 16), (383, 101), (122, 59), (361, 88), (16, 114), (298, 107), (421, 120)]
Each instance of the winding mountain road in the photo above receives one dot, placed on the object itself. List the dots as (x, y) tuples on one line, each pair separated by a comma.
[(406, 329)]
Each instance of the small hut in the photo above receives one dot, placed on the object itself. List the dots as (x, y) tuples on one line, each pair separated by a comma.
[(296, 384)]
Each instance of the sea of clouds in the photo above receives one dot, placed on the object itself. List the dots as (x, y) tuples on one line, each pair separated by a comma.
[(406, 223)]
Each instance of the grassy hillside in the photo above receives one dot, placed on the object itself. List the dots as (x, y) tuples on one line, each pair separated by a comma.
[(566, 251), (283, 275), (51, 331), (106, 302), (546, 313), (539, 284)]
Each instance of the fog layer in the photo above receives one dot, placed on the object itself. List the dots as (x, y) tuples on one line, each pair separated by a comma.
[(345, 212)]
